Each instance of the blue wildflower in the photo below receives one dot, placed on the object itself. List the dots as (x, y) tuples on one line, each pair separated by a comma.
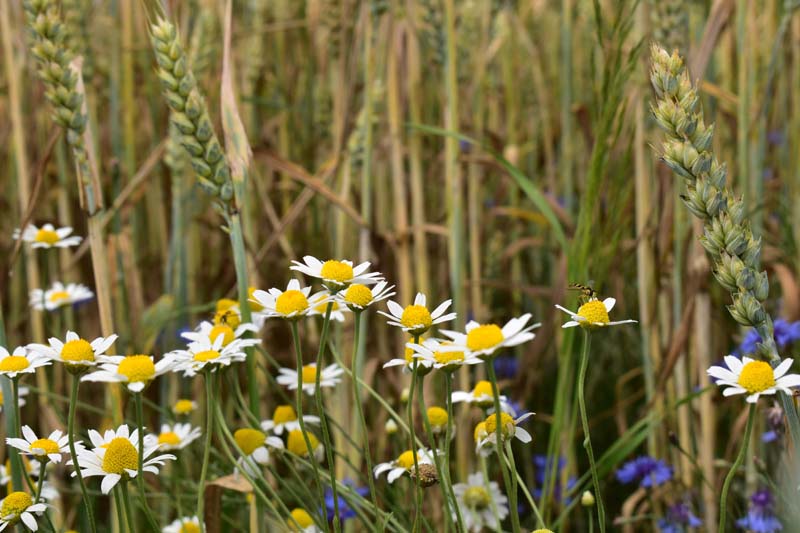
[(649, 472), (679, 519), (760, 515), (345, 512), (542, 463), (786, 333), (506, 366)]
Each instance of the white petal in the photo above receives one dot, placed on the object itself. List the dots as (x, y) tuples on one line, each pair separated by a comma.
[(609, 304), (734, 363), (782, 368), (108, 482)]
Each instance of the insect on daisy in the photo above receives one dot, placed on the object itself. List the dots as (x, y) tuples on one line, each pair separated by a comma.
[(415, 318), (482, 396), (291, 304), (255, 445), (50, 448), (336, 275), (208, 332), (174, 438), (301, 521), (442, 355), (403, 463), (48, 236), (75, 352), (593, 314), (136, 371), (59, 295), (509, 429), (358, 297), (204, 353), (285, 418), (478, 502), (330, 377), (19, 506), (115, 457), (483, 340), (186, 524), (22, 361), (754, 378)]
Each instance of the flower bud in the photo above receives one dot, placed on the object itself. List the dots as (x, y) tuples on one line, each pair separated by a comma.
[(587, 498)]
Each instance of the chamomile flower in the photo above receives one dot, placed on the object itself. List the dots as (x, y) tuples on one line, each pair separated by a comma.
[(358, 297), (403, 463), (59, 295), (476, 502), (415, 318), (46, 449), (408, 362), (593, 314), (19, 506), (115, 457), (204, 353), (206, 331), (173, 438), (296, 444), (22, 361), (291, 304), (437, 417), (136, 371), (75, 352), (48, 236), (284, 417), (255, 445), (442, 355), (301, 518), (184, 406), (483, 340), (319, 306), (754, 378), (330, 377), (509, 429), (482, 396), (336, 275), (186, 524)]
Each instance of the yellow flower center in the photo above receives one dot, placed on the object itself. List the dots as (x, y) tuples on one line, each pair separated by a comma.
[(15, 504), (437, 417), (170, 438), (120, 456), (77, 351), (284, 414), (594, 311), (409, 355), (309, 374), (296, 444), (206, 355), (480, 431), (477, 498), (228, 317), (416, 318), (445, 357), (14, 363), (406, 459), (483, 388), (249, 439), (189, 527), (222, 329), (757, 376), (255, 306), (223, 304), (358, 294), (484, 337), (59, 296), (1, 398), (183, 407), (505, 419), (137, 368), (49, 446), (291, 301), (336, 271), (46, 236), (302, 518)]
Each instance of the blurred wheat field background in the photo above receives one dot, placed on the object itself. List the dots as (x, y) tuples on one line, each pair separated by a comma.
[(508, 155)]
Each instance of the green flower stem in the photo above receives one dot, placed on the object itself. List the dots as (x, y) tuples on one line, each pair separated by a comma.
[(587, 440), (448, 392), (298, 351), (73, 403), (324, 419), (723, 499), (413, 447), (440, 471), (18, 431), (118, 507), (201, 485), (512, 498), (521, 484), (126, 501), (137, 397), (40, 484)]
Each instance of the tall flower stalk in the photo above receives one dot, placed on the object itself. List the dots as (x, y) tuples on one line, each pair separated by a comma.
[(507, 483), (587, 439), (201, 484), (723, 499)]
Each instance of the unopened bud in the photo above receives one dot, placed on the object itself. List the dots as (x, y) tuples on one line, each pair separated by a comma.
[(587, 498)]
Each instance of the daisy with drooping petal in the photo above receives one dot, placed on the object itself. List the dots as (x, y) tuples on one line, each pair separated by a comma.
[(76, 353), (208, 332), (509, 429), (754, 378), (319, 306), (442, 355), (336, 275), (19, 506), (285, 418), (204, 353), (184, 406), (173, 438), (22, 361), (186, 524), (291, 304), (593, 314), (330, 377), (301, 521), (50, 448), (358, 297), (415, 318), (255, 445), (296, 444), (484, 340), (482, 396), (21, 393), (408, 362), (404, 463), (59, 295), (136, 371), (476, 502), (48, 236), (115, 456)]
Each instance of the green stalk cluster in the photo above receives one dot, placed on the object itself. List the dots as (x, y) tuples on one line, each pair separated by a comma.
[(189, 112), (670, 20), (332, 20), (356, 141), (77, 24), (432, 31)]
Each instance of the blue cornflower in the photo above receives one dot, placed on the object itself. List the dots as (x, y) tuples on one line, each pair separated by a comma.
[(785, 334), (760, 515), (649, 472), (679, 519), (345, 511), (506, 366), (542, 463)]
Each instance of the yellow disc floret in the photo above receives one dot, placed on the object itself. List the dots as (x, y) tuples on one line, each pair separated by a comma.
[(183, 407), (228, 317), (406, 459), (255, 306), (189, 527), (77, 351), (137, 368), (757, 376), (14, 505), (594, 311), (310, 374), (249, 439), (59, 296), (437, 417), (358, 295), (483, 388), (476, 497), (47, 446), (506, 420), (480, 431), (206, 355), (47, 236), (284, 414), (446, 357), (169, 438), (296, 444), (120, 456), (416, 318), (222, 329), (299, 518), (336, 271), (223, 304), (291, 303), (484, 337), (14, 363)]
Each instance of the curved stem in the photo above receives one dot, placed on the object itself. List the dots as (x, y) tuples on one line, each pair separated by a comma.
[(587, 441), (448, 392), (73, 403), (413, 447), (723, 499), (512, 498), (206, 449), (324, 419), (140, 475)]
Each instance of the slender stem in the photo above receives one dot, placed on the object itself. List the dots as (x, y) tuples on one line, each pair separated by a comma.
[(512, 498), (201, 485), (520, 483), (587, 441), (140, 475), (126, 501), (413, 447), (448, 391), (118, 506), (15, 402), (436, 459), (723, 499), (73, 403), (360, 410), (324, 419), (40, 484)]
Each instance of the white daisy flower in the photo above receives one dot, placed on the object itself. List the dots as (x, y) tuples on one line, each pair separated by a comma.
[(255, 445), (482, 396), (404, 463), (76, 353), (184, 406), (485, 339), (204, 353), (50, 448), (291, 304), (115, 456), (358, 297), (296, 444), (408, 362), (173, 438), (208, 332), (437, 418), (285, 418), (593, 314), (19, 506), (415, 318), (754, 378), (186, 524), (48, 236), (336, 275), (22, 361), (22, 392), (300, 517), (442, 355), (59, 295), (136, 371), (319, 306), (478, 503), (487, 436), (331, 376)]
